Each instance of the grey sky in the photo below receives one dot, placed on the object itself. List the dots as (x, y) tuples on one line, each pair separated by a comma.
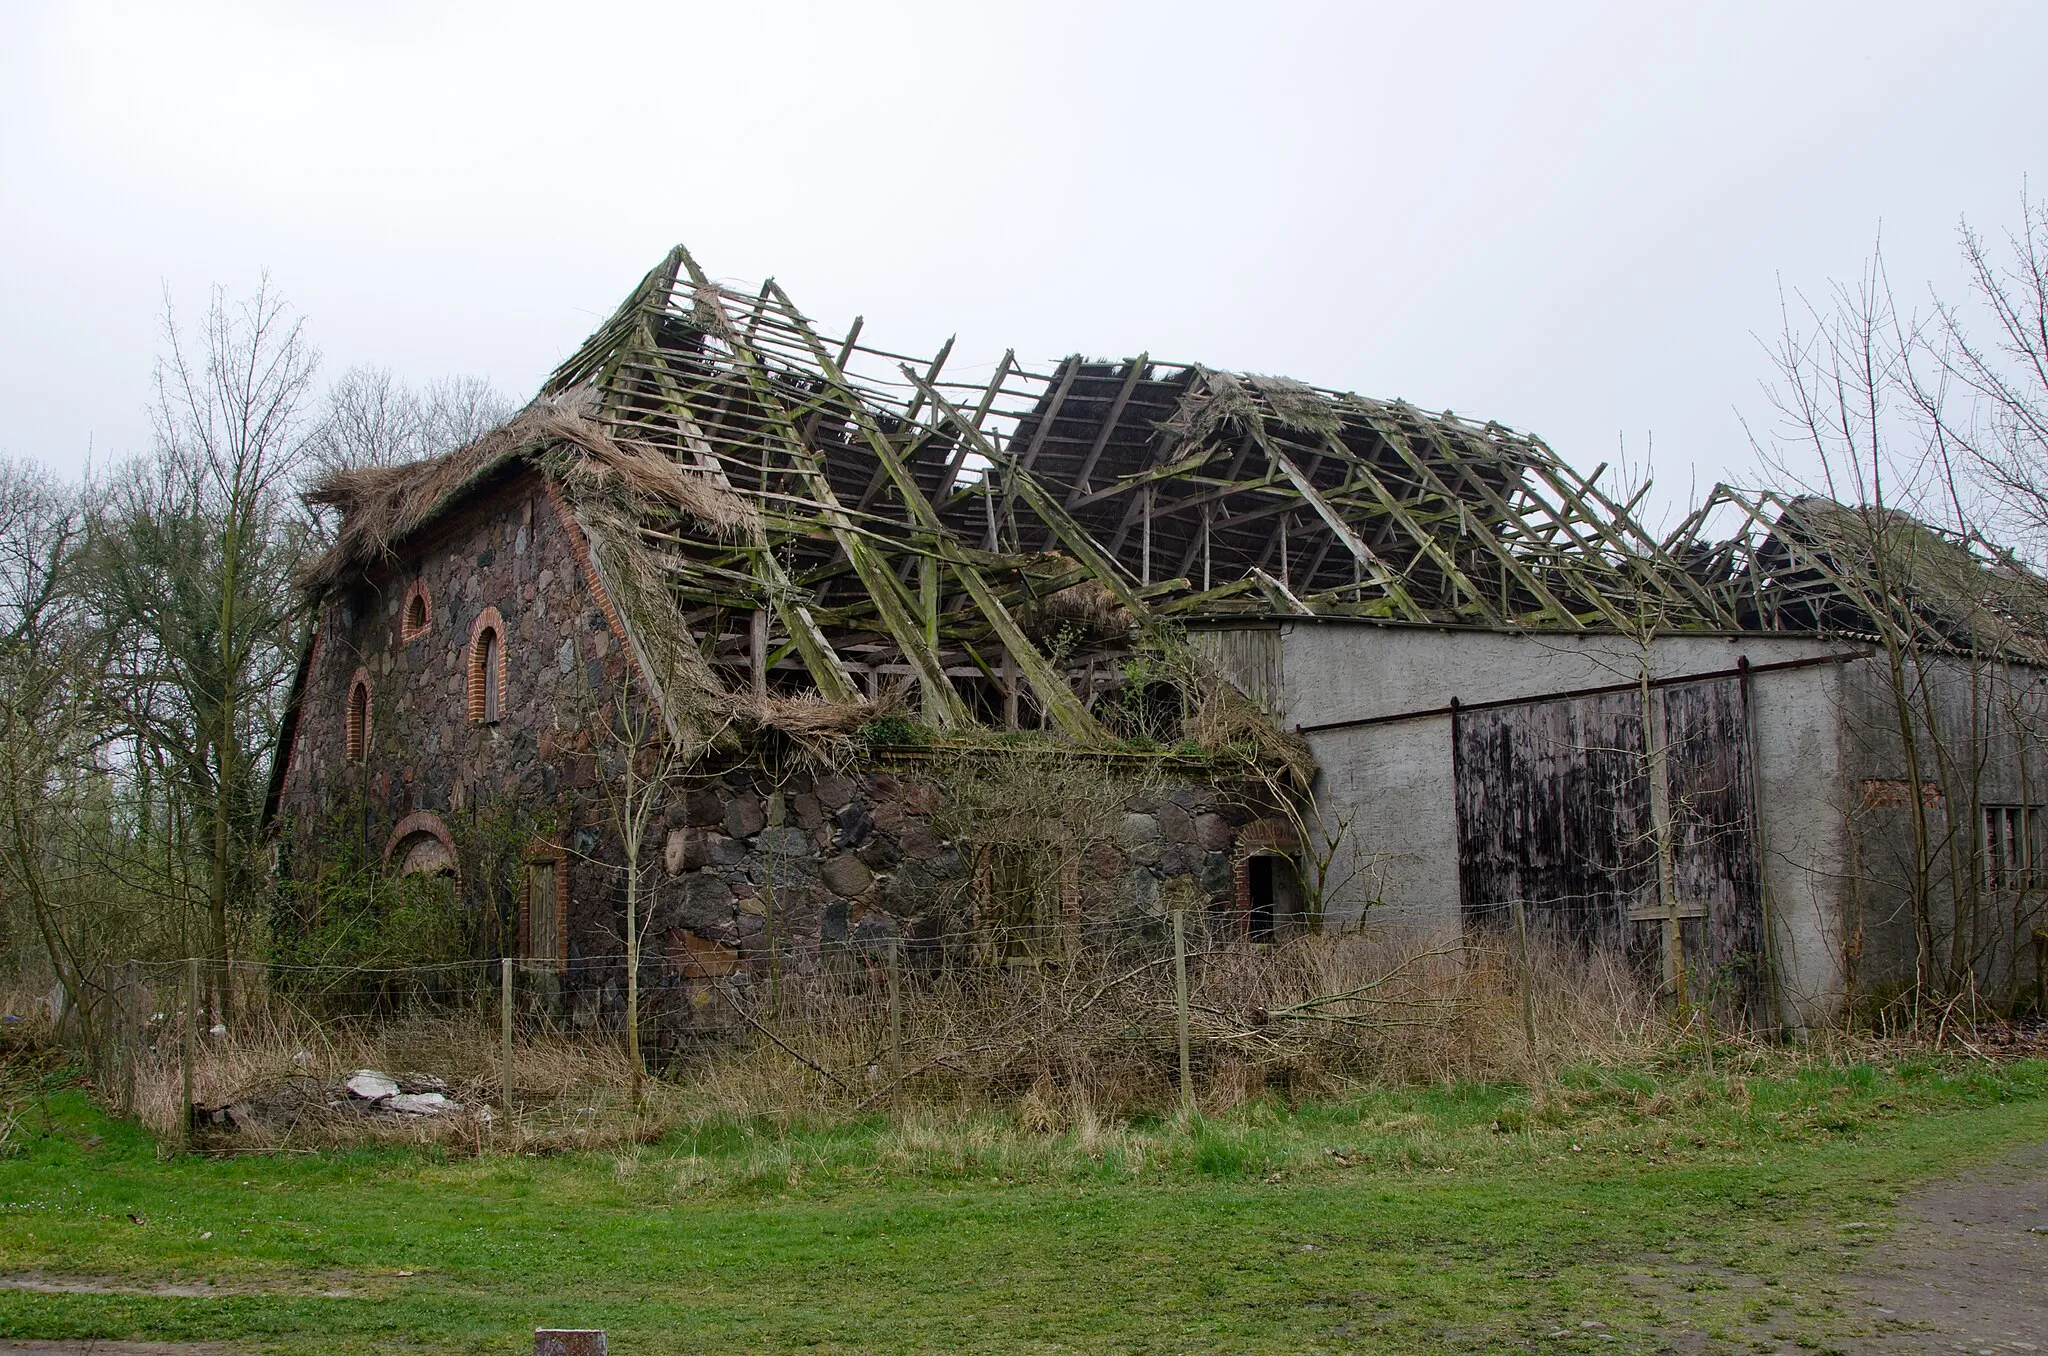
[(1571, 218)]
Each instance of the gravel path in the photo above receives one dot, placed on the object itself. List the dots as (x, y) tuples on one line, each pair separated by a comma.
[(1965, 1267)]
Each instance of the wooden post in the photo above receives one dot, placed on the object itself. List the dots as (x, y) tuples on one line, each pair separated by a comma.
[(895, 1021), (1528, 981), (1206, 508), (1180, 1004), (186, 1038), (1009, 690), (757, 650), (1145, 558), (132, 1031), (928, 596), (568, 1342), (1654, 761), (505, 1034)]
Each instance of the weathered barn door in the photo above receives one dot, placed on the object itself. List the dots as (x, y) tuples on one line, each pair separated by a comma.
[(1716, 871), (1566, 805)]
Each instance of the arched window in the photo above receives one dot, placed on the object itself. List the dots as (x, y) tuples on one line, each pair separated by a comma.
[(487, 668), (493, 659), (357, 720), (418, 616)]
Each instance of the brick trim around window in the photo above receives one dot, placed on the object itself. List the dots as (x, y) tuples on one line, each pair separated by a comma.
[(416, 613), (1265, 838), (487, 620), (356, 719)]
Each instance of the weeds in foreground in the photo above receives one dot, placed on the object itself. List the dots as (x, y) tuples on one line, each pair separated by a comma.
[(1058, 1069)]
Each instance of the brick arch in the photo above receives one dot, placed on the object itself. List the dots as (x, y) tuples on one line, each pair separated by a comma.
[(355, 730), (417, 593), (418, 824), (1270, 835), (486, 620)]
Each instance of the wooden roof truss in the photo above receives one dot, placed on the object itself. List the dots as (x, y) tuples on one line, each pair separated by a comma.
[(914, 520)]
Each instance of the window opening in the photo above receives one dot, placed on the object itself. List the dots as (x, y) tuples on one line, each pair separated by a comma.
[(491, 658), (2008, 847), (486, 677), (1011, 889), (358, 721), (418, 617)]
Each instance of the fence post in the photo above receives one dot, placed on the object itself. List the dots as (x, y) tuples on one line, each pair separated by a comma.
[(1180, 1003), (186, 1039), (505, 1033), (1528, 981), (131, 1035), (895, 1022)]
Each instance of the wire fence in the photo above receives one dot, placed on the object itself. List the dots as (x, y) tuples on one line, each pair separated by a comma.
[(1163, 1013)]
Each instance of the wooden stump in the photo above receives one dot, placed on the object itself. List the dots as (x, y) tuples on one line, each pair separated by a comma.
[(568, 1342)]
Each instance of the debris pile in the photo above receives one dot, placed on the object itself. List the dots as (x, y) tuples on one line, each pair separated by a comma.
[(364, 1095)]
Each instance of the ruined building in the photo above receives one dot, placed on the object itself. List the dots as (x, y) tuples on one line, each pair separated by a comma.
[(1364, 660)]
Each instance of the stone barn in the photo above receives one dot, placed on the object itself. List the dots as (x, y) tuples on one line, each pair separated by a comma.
[(1289, 657)]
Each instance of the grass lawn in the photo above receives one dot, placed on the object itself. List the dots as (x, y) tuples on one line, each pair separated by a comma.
[(1452, 1219)]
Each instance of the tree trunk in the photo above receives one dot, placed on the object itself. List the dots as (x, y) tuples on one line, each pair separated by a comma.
[(224, 765)]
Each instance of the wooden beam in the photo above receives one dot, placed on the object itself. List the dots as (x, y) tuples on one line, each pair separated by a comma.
[(1053, 693), (942, 703), (1341, 530)]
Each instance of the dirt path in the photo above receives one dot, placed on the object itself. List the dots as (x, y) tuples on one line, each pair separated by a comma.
[(1965, 1267), (45, 1283), (95, 1347)]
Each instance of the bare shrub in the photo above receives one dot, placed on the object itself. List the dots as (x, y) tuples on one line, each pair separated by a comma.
[(1070, 1046)]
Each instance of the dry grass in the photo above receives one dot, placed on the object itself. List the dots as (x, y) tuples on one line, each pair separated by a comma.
[(1073, 1045)]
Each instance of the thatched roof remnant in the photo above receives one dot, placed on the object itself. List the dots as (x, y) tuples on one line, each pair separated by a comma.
[(380, 506)]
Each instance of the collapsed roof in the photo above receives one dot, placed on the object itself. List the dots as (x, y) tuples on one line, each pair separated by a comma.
[(1807, 563), (806, 512)]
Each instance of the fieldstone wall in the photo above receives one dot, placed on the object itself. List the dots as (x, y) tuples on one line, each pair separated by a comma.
[(427, 763), (845, 863), (824, 862), (855, 857)]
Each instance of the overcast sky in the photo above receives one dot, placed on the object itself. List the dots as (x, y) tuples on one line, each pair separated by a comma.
[(1571, 218)]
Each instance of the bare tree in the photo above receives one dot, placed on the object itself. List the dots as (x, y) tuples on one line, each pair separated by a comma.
[(1998, 428), (1923, 441), (38, 531), (193, 552), (370, 418), (637, 762)]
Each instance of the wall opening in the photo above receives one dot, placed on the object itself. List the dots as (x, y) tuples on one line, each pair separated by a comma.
[(424, 854), (542, 916), (357, 721), (486, 680), (2007, 848), (418, 616), (1272, 897)]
